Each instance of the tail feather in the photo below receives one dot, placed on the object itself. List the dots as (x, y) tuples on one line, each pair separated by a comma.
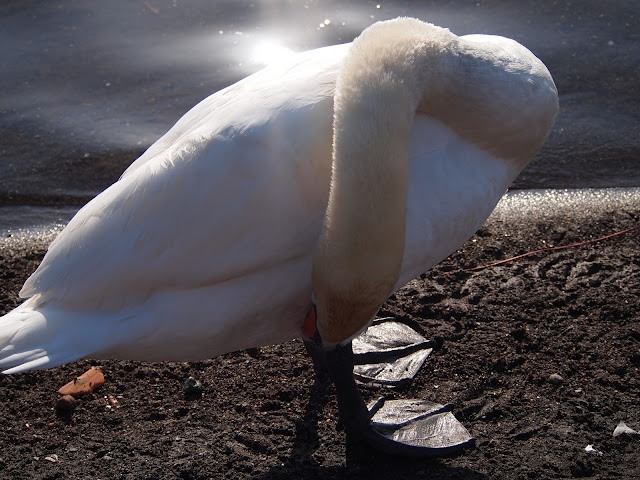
[(30, 360), (38, 336)]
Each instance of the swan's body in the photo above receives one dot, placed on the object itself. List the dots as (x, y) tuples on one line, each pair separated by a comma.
[(206, 244)]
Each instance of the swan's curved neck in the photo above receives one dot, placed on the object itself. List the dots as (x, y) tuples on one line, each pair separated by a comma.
[(491, 91), (359, 255)]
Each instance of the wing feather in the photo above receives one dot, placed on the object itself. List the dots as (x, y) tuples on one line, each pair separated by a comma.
[(233, 188)]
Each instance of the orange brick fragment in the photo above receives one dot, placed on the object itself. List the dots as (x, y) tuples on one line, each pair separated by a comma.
[(84, 384)]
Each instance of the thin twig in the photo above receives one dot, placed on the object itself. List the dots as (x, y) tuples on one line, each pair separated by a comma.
[(151, 8), (547, 249)]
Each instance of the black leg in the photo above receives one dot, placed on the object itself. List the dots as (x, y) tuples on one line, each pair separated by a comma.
[(354, 414)]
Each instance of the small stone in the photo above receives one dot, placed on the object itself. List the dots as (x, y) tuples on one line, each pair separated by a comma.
[(66, 403), (592, 450), (113, 402), (555, 379), (192, 386), (623, 429)]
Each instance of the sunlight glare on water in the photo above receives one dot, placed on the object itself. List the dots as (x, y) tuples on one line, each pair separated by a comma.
[(269, 52)]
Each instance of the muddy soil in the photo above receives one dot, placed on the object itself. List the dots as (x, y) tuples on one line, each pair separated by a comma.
[(263, 415)]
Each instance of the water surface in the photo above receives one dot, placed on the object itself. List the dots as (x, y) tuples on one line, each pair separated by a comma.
[(88, 86)]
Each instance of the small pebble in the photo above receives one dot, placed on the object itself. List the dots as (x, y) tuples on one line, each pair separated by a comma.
[(66, 403), (113, 402), (590, 449), (623, 429), (555, 379), (192, 386)]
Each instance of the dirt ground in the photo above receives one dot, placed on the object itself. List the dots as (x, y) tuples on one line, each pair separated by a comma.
[(262, 415)]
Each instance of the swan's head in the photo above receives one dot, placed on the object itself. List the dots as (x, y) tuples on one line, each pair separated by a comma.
[(498, 95), (490, 90)]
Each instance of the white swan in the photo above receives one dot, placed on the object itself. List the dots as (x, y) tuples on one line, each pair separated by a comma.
[(207, 244)]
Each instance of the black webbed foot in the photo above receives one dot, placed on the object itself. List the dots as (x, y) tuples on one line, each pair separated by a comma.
[(390, 354)]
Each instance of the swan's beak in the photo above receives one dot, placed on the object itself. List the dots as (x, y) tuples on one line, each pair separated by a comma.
[(317, 349), (311, 334), (310, 327)]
